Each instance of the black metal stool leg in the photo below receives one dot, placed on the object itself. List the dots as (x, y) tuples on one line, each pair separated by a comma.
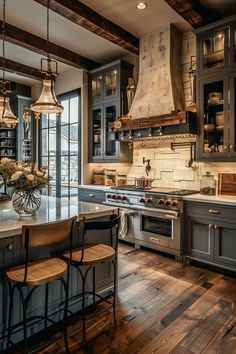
[(46, 306), (94, 288), (11, 294), (24, 310), (83, 279), (115, 291), (66, 289)]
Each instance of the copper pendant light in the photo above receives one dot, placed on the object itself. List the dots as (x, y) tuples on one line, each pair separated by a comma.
[(47, 101), (7, 117)]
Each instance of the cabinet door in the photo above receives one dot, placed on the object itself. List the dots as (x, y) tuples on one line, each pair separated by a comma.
[(111, 112), (213, 51), (213, 119), (232, 116), (97, 132), (199, 238), (96, 88), (111, 83), (225, 244), (233, 46)]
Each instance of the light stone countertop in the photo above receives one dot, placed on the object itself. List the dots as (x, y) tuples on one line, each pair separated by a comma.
[(95, 186), (51, 209), (216, 199)]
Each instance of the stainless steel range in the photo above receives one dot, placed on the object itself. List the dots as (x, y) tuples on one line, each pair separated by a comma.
[(154, 216)]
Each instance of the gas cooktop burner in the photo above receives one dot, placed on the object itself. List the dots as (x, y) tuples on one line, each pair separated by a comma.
[(178, 192), (130, 187)]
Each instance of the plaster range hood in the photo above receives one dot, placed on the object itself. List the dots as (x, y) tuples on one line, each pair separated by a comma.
[(158, 105), (159, 90)]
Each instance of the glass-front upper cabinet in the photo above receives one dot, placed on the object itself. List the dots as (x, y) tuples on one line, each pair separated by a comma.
[(110, 138), (214, 120), (111, 83), (97, 88), (97, 132), (213, 50)]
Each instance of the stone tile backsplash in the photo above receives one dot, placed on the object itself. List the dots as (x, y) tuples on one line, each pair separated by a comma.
[(168, 167)]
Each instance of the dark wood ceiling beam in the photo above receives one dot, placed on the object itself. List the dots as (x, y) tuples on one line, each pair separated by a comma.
[(193, 12), (38, 45), (84, 16), (21, 69)]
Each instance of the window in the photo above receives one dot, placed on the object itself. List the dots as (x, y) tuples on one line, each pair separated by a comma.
[(60, 146)]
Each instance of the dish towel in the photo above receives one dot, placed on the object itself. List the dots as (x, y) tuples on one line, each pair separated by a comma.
[(123, 224)]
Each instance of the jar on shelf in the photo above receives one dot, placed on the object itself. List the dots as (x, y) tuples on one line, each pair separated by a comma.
[(110, 178), (208, 184), (121, 180), (99, 177)]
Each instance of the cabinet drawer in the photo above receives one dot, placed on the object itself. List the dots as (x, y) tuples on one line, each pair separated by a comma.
[(212, 211), (91, 195)]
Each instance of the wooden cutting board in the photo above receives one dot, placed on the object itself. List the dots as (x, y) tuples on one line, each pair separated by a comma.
[(227, 183)]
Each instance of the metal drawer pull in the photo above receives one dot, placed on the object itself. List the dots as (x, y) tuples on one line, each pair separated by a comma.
[(214, 211), (210, 226), (216, 227), (154, 239), (91, 195), (10, 247)]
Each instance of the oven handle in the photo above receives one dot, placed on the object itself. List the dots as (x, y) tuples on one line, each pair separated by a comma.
[(167, 214)]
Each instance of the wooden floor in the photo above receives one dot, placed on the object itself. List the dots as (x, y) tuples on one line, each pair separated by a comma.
[(163, 307)]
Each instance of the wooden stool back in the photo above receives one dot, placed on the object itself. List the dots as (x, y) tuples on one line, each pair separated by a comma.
[(47, 234)]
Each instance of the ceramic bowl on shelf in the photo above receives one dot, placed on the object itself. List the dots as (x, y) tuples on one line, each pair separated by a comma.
[(219, 118), (209, 127)]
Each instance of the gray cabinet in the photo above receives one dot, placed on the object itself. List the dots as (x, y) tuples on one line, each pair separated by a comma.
[(107, 102), (210, 233), (199, 238), (216, 97)]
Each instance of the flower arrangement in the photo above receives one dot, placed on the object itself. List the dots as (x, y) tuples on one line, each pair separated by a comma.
[(22, 176)]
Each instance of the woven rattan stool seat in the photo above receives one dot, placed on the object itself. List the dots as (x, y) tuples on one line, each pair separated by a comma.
[(40, 272), (92, 254)]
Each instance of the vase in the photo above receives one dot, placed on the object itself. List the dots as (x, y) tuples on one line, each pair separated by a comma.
[(26, 203)]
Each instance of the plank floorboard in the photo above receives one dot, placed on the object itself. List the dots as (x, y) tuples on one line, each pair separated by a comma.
[(163, 306)]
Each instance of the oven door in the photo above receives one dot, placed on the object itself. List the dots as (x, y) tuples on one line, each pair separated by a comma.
[(158, 228)]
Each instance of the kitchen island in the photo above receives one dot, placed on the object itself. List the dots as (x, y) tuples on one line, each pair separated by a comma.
[(12, 253)]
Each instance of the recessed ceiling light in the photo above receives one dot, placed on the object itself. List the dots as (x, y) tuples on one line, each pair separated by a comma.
[(141, 5)]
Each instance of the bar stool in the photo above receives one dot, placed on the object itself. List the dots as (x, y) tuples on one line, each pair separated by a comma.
[(90, 255), (37, 273)]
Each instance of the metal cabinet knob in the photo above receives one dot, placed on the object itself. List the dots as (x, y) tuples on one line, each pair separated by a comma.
[(210, 226), (216, 227), (10, 247)]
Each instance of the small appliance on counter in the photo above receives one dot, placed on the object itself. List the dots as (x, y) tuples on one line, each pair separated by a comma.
[(208, 184)]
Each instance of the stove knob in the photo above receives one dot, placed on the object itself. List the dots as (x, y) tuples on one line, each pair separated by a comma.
[(168, 203), (149, 201), (118, 197), (142, 200), (108, 196), (124, 198), (161, 202), (114, 196), (174, 203)]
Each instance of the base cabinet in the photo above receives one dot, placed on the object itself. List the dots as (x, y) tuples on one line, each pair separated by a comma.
[(211, 238)]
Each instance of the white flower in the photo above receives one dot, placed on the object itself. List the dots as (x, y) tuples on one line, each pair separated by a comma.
[(39, 173), (27, 169), (30, 178), (15, 177), (19, 173)]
